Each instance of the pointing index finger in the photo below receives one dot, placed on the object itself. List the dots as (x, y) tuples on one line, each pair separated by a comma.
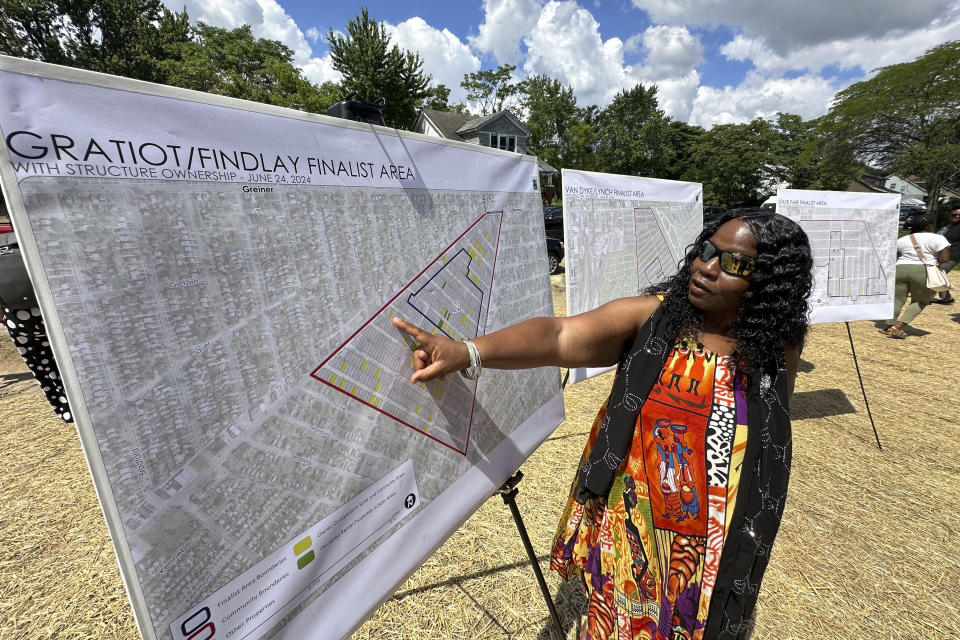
[(410, 329)]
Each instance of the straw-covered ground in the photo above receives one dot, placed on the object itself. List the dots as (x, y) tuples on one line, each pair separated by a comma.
[(868, 547)]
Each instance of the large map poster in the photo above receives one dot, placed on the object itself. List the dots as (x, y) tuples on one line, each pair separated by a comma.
[(218, 279), (853, 237), (622, 234)]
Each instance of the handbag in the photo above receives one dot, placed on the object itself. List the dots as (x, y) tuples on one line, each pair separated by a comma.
[(936, 279)]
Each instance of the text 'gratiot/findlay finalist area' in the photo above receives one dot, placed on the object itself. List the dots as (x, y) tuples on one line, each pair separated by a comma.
[(451, 296)]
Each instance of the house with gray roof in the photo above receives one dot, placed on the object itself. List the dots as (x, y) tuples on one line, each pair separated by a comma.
[(501, 130)]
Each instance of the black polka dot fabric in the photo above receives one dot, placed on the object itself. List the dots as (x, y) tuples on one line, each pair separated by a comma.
[(30, 335)]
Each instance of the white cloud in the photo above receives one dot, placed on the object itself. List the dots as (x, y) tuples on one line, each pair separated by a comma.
[(320, 70), (787, 26), (634, 43), (505, 24), (765, 91), (760, 96), (866, 53), (444, 56), (565, 44), (267, 19), (676, 95), (671, 51)]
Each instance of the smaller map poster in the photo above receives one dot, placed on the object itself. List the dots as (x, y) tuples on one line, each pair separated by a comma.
[(854, 241), (622, 234)]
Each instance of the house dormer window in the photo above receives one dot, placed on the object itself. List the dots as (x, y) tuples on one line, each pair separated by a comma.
[(503, 141)]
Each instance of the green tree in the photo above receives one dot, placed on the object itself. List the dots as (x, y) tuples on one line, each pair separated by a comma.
[(679, 139), (491, 90), (231, 62), (552, 110), (906, 118), (372, 69), (438, 98), (121, 37), (631, 134), (141, 39), (805, 157), (734, 162)]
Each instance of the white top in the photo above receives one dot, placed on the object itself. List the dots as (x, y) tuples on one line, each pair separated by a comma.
[(930, 245)]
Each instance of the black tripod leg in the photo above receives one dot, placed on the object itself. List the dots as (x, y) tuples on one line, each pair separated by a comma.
[(862, 390), (509, 493)]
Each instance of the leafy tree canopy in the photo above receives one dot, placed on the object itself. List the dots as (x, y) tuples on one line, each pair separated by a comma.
[(734, 162), (121, 37), (231, 62), (372, 69), (906, 118), (438, 98), (631, 133), (142, 39), (551, 109), (804, 157), (491, 90)]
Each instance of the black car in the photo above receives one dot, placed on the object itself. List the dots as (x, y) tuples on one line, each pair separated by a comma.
[(908, 215), (553, 221), (554, 254)]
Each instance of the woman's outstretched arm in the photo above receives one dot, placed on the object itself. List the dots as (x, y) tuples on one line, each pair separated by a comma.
[(595, 338)]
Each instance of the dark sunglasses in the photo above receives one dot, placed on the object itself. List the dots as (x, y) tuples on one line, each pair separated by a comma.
[(732, 262)]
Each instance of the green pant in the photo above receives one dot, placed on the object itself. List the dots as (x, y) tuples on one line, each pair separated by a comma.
[(911, 279)]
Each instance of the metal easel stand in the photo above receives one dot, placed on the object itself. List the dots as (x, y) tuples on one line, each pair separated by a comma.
[(508, 491), (862, 390)]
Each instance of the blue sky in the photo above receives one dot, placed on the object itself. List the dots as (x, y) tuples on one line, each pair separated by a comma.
[(713, 61)]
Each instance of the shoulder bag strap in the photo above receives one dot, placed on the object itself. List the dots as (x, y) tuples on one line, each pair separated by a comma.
[(917, 249)]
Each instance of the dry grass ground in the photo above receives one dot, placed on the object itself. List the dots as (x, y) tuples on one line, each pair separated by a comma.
[(868, 546)]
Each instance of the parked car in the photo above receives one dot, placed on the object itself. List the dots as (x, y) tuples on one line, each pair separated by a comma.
[(908, 214), (554, 255), (553, 221)]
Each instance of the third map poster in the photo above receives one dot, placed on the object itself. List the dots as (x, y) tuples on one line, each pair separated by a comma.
[(853, 237)]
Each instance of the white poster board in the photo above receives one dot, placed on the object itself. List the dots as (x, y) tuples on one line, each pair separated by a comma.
[(218, 279), (853, 237), (622, 234)]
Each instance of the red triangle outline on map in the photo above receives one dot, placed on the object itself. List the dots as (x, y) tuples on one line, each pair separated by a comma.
[(314, 375)]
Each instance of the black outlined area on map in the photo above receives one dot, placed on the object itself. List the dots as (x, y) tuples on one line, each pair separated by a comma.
[(655, 263), (451, 295), (853, 267)]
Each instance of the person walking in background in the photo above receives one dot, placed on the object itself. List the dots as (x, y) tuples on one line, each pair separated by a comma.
[(914, 252), (951, 231)]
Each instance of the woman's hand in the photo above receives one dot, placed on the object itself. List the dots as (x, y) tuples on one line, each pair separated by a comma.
[(437, 354)]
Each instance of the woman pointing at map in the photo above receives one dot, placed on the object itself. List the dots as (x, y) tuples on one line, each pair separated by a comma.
[(679, 493)]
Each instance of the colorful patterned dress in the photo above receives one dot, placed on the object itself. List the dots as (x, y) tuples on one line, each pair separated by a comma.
[(648, 553)]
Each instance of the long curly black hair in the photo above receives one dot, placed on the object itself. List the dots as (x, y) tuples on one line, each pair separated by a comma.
[(774, 311)]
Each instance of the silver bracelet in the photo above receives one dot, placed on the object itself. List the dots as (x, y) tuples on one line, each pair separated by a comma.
[(476, 366)]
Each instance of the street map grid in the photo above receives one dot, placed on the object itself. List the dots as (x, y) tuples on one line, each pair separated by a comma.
[(854, 252), (617, 248), (450, 296)]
